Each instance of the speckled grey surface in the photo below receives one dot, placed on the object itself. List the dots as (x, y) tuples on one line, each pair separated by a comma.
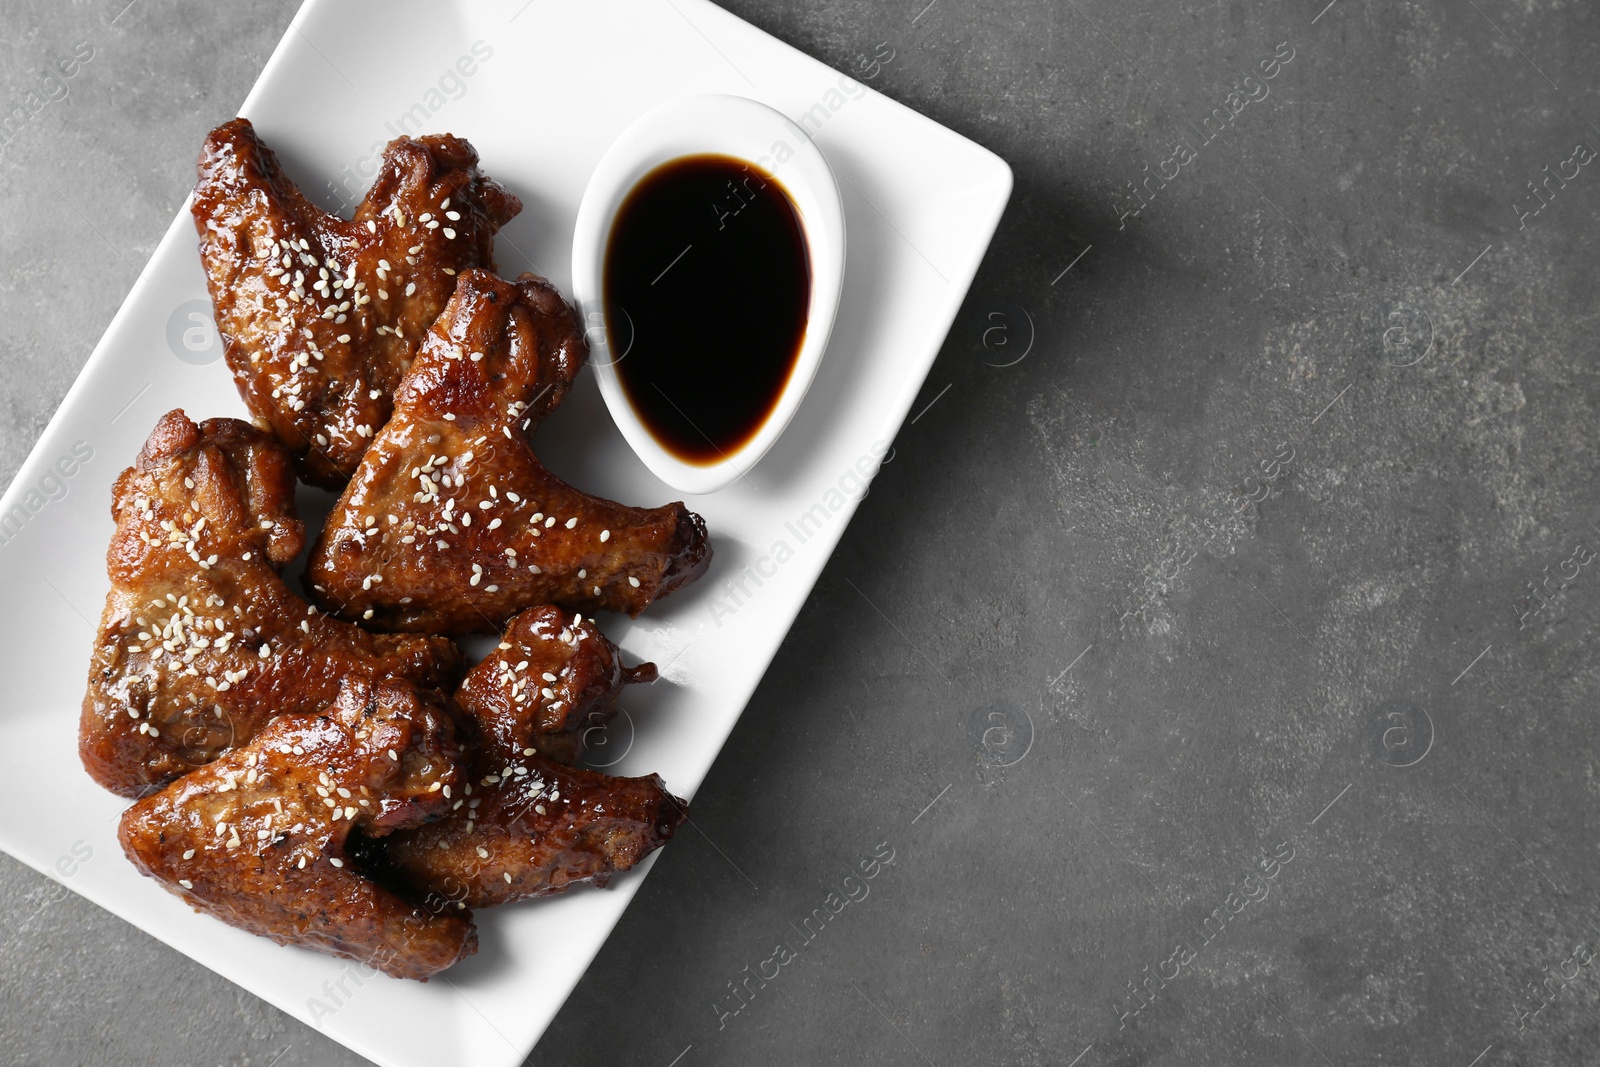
[(1216, 655)]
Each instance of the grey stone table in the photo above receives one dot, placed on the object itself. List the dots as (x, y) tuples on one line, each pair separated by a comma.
[(1215, 656)]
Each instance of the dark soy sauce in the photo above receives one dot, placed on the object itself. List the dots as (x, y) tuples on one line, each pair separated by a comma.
[(707, 284)]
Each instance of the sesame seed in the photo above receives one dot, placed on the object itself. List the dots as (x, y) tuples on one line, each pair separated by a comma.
[(605, 535), (633, 581), (336, 861), (185, 883)]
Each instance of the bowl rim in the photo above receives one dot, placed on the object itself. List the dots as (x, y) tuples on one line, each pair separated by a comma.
[(716, 124)]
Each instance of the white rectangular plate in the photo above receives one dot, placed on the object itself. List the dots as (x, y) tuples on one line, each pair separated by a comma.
[(551, 83)]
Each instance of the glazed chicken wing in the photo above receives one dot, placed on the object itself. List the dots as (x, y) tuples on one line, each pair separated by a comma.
[(259, 837), (201, 642), (452, 525), (528, 825), (553, 678), (540, 827), (320, 316)]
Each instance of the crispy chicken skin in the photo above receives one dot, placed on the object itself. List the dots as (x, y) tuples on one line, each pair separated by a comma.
[(258, 837), (553, 678), (320, 316), (529, 825), (452, 525), (201, 642)]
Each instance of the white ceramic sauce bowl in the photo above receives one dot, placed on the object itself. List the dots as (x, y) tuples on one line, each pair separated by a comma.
[(721, 125)]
